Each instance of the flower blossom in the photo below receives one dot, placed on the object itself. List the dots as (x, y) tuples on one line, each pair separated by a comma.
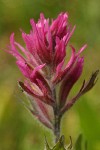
[(42, 64)]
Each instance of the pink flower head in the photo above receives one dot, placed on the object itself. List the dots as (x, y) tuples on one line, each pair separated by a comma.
[(42, 64)]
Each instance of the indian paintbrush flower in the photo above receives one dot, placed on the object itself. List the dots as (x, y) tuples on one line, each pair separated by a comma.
[(42, 64)]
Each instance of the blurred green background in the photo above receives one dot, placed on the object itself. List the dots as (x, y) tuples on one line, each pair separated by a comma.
[(18, 129)]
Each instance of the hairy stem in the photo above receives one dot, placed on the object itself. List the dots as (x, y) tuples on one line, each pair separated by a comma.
[(56, 110), (57, 118), (57, 125)]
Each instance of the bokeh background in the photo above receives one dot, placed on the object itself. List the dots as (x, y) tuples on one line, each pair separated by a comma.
[(18, 129)]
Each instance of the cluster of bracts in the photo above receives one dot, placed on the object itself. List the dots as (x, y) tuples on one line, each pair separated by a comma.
[(48, 79)]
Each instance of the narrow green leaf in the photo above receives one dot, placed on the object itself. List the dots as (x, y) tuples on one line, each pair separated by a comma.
[(47, 145), (85, 145), (78, 145), (69, 147)]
